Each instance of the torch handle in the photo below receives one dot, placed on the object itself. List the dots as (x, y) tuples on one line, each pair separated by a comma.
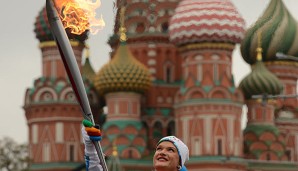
[(72, 69)]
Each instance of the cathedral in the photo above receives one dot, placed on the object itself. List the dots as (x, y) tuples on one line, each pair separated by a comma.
[(170, 73)]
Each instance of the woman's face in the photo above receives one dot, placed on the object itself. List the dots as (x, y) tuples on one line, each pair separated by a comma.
[(166, 157)]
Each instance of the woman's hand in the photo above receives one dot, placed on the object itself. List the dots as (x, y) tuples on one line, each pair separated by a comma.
[(92, 131)]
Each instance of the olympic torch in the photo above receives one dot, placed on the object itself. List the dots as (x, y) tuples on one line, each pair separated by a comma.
[(72, 69)]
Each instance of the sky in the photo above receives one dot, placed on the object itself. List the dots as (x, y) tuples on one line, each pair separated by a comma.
[(20, 57)]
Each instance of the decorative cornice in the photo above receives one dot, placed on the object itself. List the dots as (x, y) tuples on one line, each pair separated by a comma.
[(204, 102), (49, 119), (284, 63), (226, 46), (53, 43)]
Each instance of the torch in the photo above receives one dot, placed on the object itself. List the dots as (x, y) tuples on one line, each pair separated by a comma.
[(72, 69)]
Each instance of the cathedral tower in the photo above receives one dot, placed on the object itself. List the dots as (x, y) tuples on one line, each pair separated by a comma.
[(279, 35), (52, 112), (147, 25), (262, 139), (208, 106), (123, 81)]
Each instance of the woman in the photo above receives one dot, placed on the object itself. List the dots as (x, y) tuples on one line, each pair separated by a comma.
[(170, 155)]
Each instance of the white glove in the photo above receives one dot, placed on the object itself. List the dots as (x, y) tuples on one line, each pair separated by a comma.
[(91, 157)]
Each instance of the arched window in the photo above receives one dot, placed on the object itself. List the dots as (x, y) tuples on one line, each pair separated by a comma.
[(171, 128), (215, 58), (200, 72), (288, 154), (59, 128), (197, 150), (34, 133), (71, 153), (157, 131), (140, 28), (46, 152), (164, 27), (46, 96), (219, 147), (168, 72), (130, 154), (268, 156)]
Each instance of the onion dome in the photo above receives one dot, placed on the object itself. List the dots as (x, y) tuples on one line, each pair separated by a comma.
[(260, 80), (279, 34), (43, 32), (123, 73), (206, 21)]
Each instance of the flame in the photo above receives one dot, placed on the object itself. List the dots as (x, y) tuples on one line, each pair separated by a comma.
[(80, 15)]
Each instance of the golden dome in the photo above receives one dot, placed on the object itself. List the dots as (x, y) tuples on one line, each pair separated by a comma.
[(123, 73)]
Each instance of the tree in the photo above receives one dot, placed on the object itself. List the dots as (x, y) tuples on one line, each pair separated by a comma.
[(13, 156)]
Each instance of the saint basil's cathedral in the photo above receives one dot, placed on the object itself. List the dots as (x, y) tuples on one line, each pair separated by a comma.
[(173, 76)]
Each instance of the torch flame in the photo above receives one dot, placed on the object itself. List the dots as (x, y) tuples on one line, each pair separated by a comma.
[(80, 15)]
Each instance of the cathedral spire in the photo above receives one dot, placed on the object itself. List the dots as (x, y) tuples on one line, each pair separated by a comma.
[(122, 30), (87, 51), (259, 48)]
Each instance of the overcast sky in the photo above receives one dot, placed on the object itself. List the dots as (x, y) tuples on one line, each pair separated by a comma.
[(20, 61)]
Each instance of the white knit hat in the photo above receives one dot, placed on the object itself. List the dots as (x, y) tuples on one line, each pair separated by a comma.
[(181, 147)]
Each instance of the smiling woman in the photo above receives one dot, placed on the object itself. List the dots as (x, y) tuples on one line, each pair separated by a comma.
[(170, 155)]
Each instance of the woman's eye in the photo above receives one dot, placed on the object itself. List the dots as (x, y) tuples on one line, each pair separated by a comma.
[(171, 150)]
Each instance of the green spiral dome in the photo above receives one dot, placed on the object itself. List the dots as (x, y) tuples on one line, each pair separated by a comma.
[(260, 81), (279, 34), (123, 73)]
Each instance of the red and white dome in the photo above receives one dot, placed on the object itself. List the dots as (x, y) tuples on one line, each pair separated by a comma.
[(197, 21)]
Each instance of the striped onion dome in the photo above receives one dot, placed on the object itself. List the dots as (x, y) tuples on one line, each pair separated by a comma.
[(279, 34), (123, 73), (260, 81), (43, 31), (198, 21)]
